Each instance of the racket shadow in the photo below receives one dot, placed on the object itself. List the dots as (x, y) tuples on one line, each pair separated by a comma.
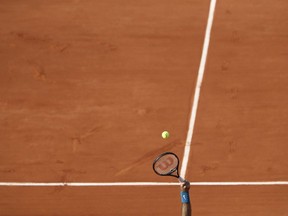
[(149, 156)]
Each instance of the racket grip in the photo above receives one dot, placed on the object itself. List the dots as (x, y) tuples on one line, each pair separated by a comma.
[(181, 180)]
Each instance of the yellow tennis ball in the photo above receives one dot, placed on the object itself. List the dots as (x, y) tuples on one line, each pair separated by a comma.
[(165, 134)]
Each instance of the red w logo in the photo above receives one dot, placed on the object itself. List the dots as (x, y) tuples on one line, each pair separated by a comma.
[(165, 164)]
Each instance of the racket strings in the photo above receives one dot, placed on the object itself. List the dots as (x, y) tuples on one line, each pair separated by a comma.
[(166, 164)]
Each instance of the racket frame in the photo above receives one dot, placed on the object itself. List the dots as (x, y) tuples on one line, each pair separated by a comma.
[(176, 175)]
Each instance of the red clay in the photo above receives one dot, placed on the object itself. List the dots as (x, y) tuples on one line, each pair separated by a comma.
[(241, 128), (87, 87)]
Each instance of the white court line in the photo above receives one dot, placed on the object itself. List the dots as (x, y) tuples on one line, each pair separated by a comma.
[(86, 184), (197, 89), (105, 184), (189, 136), (187, 146)]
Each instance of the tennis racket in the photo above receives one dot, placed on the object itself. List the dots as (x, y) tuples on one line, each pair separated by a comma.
[(167, 164)]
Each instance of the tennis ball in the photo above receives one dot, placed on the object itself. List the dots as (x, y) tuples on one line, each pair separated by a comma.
[(165, 134)]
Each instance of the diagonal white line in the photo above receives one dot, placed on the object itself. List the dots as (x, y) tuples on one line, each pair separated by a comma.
[(197, 89)]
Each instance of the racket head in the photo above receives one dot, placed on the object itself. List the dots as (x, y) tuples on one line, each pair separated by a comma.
[(166, 164)]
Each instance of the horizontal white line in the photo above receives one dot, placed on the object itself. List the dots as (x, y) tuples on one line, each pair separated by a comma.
[(86, 184), (239, 183), (107, 184)]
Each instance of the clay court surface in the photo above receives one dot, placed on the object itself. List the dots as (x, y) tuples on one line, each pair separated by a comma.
[(87, 87)]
